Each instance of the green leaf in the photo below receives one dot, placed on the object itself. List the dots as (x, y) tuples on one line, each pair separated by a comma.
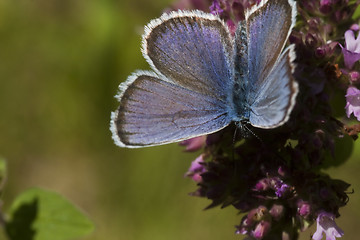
[(356, 14), (39, 214), (343, 150)]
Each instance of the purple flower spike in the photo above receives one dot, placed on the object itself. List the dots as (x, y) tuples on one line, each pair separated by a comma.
[(326, 224), (353, 102), (351, 51)]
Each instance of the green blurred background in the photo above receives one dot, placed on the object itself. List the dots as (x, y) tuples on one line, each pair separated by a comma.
[(60, 65)]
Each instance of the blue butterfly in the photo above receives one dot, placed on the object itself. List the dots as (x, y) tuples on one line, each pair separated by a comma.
[(203, 78)]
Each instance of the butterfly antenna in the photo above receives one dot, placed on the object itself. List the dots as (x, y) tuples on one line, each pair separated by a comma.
[(250, 131), (233, 150), (233, 144), (234, 137)]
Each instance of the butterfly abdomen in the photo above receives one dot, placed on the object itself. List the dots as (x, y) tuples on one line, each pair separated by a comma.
[(239, 102)]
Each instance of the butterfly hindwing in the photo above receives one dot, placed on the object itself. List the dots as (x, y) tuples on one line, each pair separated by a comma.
[(153, 112), (268, 27), (276, 97)]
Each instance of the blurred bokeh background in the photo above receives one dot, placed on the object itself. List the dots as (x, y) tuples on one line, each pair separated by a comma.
[(60, 65)]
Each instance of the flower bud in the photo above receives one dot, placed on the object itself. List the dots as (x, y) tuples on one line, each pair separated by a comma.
[(193, 144), (311, 40), (314, 23), (325, 6), (354, 76), (262, 185), (261, 229), (295, 37), (277, 211), (282, 171), (355, 27), (197, 167), (303, 208)]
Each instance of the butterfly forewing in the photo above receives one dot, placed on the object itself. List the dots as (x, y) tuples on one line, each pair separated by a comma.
[(193, 49), (268, 27)]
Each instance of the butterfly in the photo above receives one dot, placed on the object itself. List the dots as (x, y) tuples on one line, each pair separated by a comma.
[(203, 78)]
